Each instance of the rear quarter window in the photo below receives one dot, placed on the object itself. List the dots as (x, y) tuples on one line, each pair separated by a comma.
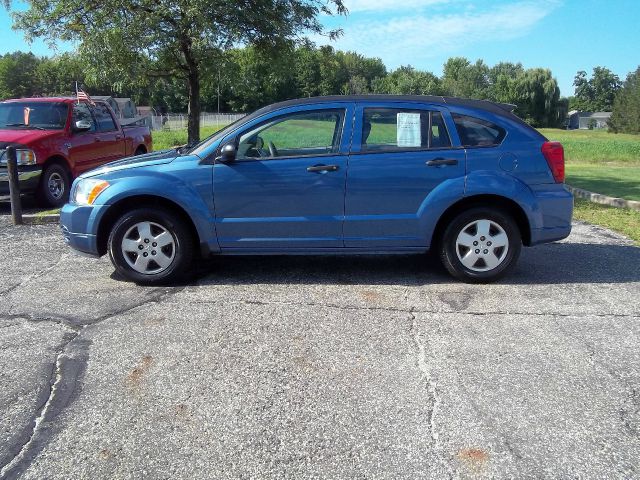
[(475, 132)]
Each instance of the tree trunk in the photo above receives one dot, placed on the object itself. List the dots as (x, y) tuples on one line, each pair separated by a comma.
[(193, 127)]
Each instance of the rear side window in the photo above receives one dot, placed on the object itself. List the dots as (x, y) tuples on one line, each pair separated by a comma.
[(475, 132), (103, 118), (385, 129)]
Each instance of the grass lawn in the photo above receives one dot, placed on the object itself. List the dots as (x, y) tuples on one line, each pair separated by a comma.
[(623, 220), (164, 139), (600, 161), (597, 146)]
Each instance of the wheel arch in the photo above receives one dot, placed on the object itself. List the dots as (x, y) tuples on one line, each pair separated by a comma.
[(141, 149), (485, 200), (123, 205), (58, 159)]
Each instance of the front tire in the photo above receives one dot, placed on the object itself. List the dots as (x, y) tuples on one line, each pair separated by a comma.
[(480, 245), (151, 246), (54, 187)]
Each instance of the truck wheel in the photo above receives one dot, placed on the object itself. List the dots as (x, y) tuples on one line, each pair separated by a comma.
[(480, 245), (54, 187), (139, 151), (150, 246)]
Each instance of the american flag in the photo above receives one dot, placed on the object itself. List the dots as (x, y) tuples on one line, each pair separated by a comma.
[(82, 95)]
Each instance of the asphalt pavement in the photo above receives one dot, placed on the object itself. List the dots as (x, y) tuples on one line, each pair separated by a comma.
[(320, 367)]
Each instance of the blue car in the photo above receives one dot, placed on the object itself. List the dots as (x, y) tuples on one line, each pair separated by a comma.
[(332, 175)]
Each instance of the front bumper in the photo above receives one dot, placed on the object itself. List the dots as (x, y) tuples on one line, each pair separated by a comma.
[(28, 176), (79, 225)]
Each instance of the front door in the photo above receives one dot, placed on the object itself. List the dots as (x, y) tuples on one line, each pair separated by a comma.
[(285, 189), (110, 143), (82, 150), (400, 154)]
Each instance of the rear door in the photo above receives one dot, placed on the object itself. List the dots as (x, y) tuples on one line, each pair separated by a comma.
[(400, 154), (286, 188)]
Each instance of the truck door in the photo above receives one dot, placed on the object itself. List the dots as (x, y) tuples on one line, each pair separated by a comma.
[(109, 139)]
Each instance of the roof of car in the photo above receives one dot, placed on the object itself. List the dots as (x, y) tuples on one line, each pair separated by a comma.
[(44, 99), (497, 108)]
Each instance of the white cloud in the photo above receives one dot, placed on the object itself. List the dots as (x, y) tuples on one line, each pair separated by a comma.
[(380, 5), (414, 38)]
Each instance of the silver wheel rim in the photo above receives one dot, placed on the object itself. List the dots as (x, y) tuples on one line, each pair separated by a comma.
[(148, 248), (56, 185), (482, 245)]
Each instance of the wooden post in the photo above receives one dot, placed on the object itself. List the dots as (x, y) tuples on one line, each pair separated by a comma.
[(14, 185)]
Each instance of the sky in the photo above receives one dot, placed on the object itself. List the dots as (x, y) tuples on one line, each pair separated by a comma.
[(563, 35)]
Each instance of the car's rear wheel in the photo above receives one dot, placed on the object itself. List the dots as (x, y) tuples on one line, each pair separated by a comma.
[(480, 245), (151, 246), (54, 186)]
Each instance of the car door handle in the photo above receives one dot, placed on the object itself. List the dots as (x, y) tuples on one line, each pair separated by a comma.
[(323, 168), (97, 139), (436, 162)]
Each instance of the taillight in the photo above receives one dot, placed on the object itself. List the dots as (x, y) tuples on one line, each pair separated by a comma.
[(554, 153)]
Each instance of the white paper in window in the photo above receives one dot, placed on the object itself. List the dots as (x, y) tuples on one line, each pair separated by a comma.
[(408, 125)]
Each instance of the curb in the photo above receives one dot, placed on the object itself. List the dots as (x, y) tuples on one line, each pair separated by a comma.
[(604, 199), (35, 219)]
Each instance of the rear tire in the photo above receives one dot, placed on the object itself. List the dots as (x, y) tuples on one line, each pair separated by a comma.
[(151, 246), (480, 245), (54, 187), (139, 151)]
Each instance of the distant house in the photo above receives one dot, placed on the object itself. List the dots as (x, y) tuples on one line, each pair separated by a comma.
[(587, 120)]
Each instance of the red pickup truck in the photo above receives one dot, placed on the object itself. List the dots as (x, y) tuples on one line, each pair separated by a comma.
[(59, 138)]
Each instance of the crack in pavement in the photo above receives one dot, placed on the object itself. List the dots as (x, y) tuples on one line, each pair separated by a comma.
[(34, 276), (69, 366), (412, 310), (431, 391)]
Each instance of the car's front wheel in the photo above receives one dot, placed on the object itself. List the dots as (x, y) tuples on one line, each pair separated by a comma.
[(151, 246), (480, 245)]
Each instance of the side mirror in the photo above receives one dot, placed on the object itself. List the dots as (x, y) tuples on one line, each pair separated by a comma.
[(82, 126), (227, 153)]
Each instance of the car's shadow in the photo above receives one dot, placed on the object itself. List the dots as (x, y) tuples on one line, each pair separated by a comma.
[(545, 264)]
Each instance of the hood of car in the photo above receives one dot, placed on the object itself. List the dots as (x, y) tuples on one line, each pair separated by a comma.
[(24, 136), (149, 159)]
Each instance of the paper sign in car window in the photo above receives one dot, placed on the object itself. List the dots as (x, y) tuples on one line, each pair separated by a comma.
[(409, 130)]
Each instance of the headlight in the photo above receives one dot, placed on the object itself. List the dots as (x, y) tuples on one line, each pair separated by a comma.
[(88, 190), (24, 156)]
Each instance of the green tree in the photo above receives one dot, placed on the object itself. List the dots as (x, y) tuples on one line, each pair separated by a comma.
[(18, 75), (136, 40), (406, 80), (626, 108), (595, 94), (461, 78), (537, 97)]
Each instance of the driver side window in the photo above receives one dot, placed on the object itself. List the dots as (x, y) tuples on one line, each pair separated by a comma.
[(293, 135), (81, 112)]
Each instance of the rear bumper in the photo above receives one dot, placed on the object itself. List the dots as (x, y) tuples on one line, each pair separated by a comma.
[(79, 225), (28, 176), (555, 204)]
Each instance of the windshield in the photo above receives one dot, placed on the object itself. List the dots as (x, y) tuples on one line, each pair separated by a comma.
[(33, 115), (204, 144)]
